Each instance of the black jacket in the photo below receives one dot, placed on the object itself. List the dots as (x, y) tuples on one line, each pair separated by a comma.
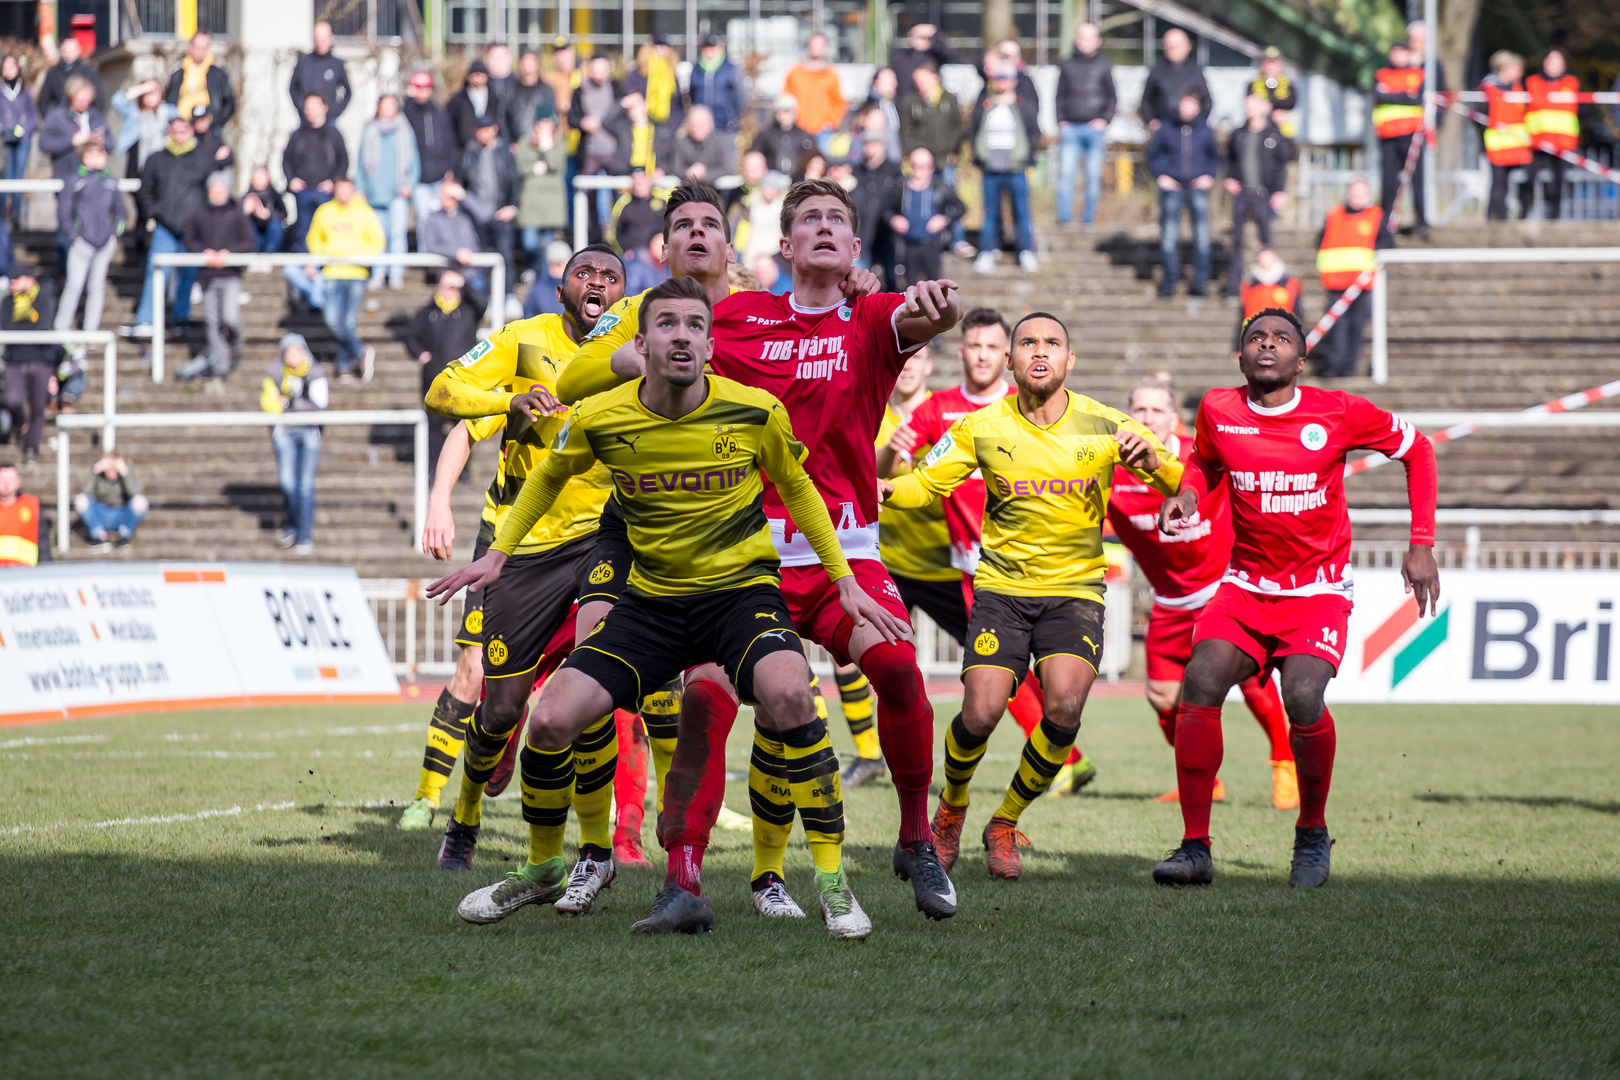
[(510, 184), (875, 191), (1165, 85), (275, 200), (315, 155), (517, 108), (90, 207), (445, 338), (789, 152), (904, 62), (214, 228), (1276, 151), (221, 98), (436, 141), (945, 201), (323, 75), (45, 308), (1085, 88), (175, 186), (464, 117), (51, 90)]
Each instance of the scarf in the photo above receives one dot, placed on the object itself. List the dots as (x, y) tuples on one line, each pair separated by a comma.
[(446, 306), (404, 147), (22, 305), (11, 88), (711, 66), (179, 149), (193, 84), (642, 143), (660, 88)]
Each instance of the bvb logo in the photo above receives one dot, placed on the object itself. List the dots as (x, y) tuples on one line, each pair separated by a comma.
[(497, 652), (475, 621), (601, 573), (1085, 455), (725, 446), (986, 644)]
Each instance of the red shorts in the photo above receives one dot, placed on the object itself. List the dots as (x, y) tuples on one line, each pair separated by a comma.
[(1169, 642), (1268, 628), (812, 600)]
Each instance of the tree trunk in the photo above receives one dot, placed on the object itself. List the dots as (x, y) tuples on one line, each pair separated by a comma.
[(998, 23), (1456, 37)]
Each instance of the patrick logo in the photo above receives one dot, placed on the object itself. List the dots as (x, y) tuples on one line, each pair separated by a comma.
[(1393, 629)]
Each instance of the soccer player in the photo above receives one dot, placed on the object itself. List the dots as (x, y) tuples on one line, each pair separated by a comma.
[(689, 455), (1185, 569), (1047, 457), (1279, 449)]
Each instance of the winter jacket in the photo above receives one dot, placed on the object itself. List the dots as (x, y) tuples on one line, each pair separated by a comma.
[(220, 228), (875, 190), (543, 203), (577, 112), (397, 162), (45, 319), (634, 222), (436, 144), (1276, 151), (221, 98), (90, 207), (56, 138), (1165, 85), (717, 154), (175, 186), (315, 155), (941, 199), (18, 117), (119, 491), (444, 336), (1016, 158), (53, 92), (508, 184), (336, 229), (723, 92), (788, 152), (464, 115), (517, 117), (905, 62), (1085, 88), (936, 128), (275, 200), (323, 75), (1183, 152), (445, 234), (285, 391), (142, 131)]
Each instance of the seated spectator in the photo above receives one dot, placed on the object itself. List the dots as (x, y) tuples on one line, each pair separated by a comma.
[(389, 171), (529, 91), (30, 369), (718, 85), (773, 278), (1183, 158), (200, 81), (319, 72), (637, 217), (19, 119), (451, 232), (760, 231), (787, 147), (649, 267), (921, 218), (436, 144), (90, 212), (314, 158), (266, 211), (111, 503), (173, 187), (294, 383), (595, 103), (488, 172), (442, 331), (813, 82), (542, 162), (884, 98), (346, 226), (219, 230), (543, 298), (877, 187), (700, 154), (472, 104), (1004, 134), (70, 64)]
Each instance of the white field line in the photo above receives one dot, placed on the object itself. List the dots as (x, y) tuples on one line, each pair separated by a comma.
[(60, 740), (204, 815), (213, 755)]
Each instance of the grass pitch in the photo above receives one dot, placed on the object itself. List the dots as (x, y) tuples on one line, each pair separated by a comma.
[(207, 894)]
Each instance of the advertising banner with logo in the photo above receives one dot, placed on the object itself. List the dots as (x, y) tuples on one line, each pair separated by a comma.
[(86, 639), (1502, 637)]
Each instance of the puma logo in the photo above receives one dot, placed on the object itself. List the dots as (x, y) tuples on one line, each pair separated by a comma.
[(782, 634), (631, 443), (1004, 450), (771, 615)]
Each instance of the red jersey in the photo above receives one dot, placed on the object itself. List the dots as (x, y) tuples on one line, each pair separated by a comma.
[(1184, 569), (1284, 468), (964, 507), (833, 369)]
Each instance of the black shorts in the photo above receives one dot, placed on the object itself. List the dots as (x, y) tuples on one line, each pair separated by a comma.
[(1005, 631), (941, 601), (646, 641), (471, 631), (610, 559), (526, 604)]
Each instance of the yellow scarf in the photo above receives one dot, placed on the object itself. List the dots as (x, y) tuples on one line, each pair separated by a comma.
[(22, 306), (193, 84), (179, 148), (938, 92), (641, 146), (446, 306), (660, 88)]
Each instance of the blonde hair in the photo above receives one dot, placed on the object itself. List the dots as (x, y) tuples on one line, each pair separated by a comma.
[(1502, 58), (1159, 380)]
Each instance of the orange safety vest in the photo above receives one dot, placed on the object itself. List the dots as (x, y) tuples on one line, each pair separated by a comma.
[(1257, 296), (1393, 121), (19, 532), (1507, 142), (1348, 242), (1552, 121)]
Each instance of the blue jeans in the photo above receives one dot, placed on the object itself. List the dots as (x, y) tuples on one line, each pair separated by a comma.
[(267, 236), (312, 288), (958, 230), (99, 519), (395, 218), (1170, 204), (340, 308), (425, 200), (298, 452), (307, 201), (1075, 140), (11, 206), (181, 278), (534, 240), (1015, 184)]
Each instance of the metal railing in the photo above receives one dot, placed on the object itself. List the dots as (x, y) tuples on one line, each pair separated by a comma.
[(1392, 256), (1487, 516), (107, 421), (51, 187), (109, 371), (496, 312), (419, 635), (598, 182)]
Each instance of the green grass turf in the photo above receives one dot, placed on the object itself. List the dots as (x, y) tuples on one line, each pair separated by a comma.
[(1469, 929)]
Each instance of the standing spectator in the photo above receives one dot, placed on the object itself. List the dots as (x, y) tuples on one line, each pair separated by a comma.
[(20, 524), (436, 147), (923, 46), (71, 126), (200, 81), (29, 368), (1549, 121), (1274, 85), (319, 72), (389, 172), (452, 233), (346, 226), (313, 161), (1085, 107), (930, 116), (90, 211), (209, 139), (472, 104), (922, 218), (266, 211), (654, 76), (1345, 250), (787, 147), (1008, 52), (173, 187), (18, 122), (596, 102), (1257, 157), (543, 203), (441, 332), (813, 82), (528, 92), (294, 383), (498, 59), (543, 298), (145, 117), (111, 503), (1397, 118), (638, 138), (1004, 133), (701, 153), (1170, 80), (488, 171), (716, 83), (877, 187), (219, 230), (759, 233), (1183, 158), (564, 75), (1507, 141), (70, 64), (637, 217), (884, 98)]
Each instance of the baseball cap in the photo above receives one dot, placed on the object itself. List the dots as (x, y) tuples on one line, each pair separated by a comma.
[(558, 252), (559, 42), (200, 111), (785, 101), (713, 39), (1271, 53), (660, 38), (545, 110), (779, 181), (477, 67), (1004, 70), (422, 78)]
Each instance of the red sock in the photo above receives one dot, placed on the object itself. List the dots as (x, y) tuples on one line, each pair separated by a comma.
[(905, 727), (630, 775), (1313, 750), (1167, 724), (686, 865), (1028, 706), (1266, 704), (695, 788), (1198, 759)]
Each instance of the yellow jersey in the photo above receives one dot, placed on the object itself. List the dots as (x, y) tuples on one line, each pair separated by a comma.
[(691, 489), (1046, 491), (913, 543), (591, 370)]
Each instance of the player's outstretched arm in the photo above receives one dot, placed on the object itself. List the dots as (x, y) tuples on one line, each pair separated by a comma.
[(950, 462), (931, 309), (476, 575), (471, 386), (439, 530), (1142, 453)]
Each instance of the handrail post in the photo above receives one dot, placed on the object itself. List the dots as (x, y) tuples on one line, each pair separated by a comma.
[(497, 294), (160, 312), (421, 479), (1380, 321), (62, 489), (109, 394), (582, 229)]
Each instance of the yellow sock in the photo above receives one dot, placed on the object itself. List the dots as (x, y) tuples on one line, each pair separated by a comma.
[(596, 755), (821, 701), (446, 733), (812, 770), (1043, 756), (547, 779), (963, 752), (771, 799), (480, 756), (855, 694), (661, 713)]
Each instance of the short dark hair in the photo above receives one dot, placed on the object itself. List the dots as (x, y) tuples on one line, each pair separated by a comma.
[(691, 191), (1276, 312), (675, 288), (983, 316), (809, 189), (594, 249), (1041, 315)]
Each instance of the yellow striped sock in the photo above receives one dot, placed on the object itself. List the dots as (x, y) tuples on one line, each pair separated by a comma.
[(596, 755), (963, 752), (479, 757), (661, 713), (821, 701), (771, 798), (812, 770), (547, 780), (855, 694), (1043, 756), (446, 734)]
